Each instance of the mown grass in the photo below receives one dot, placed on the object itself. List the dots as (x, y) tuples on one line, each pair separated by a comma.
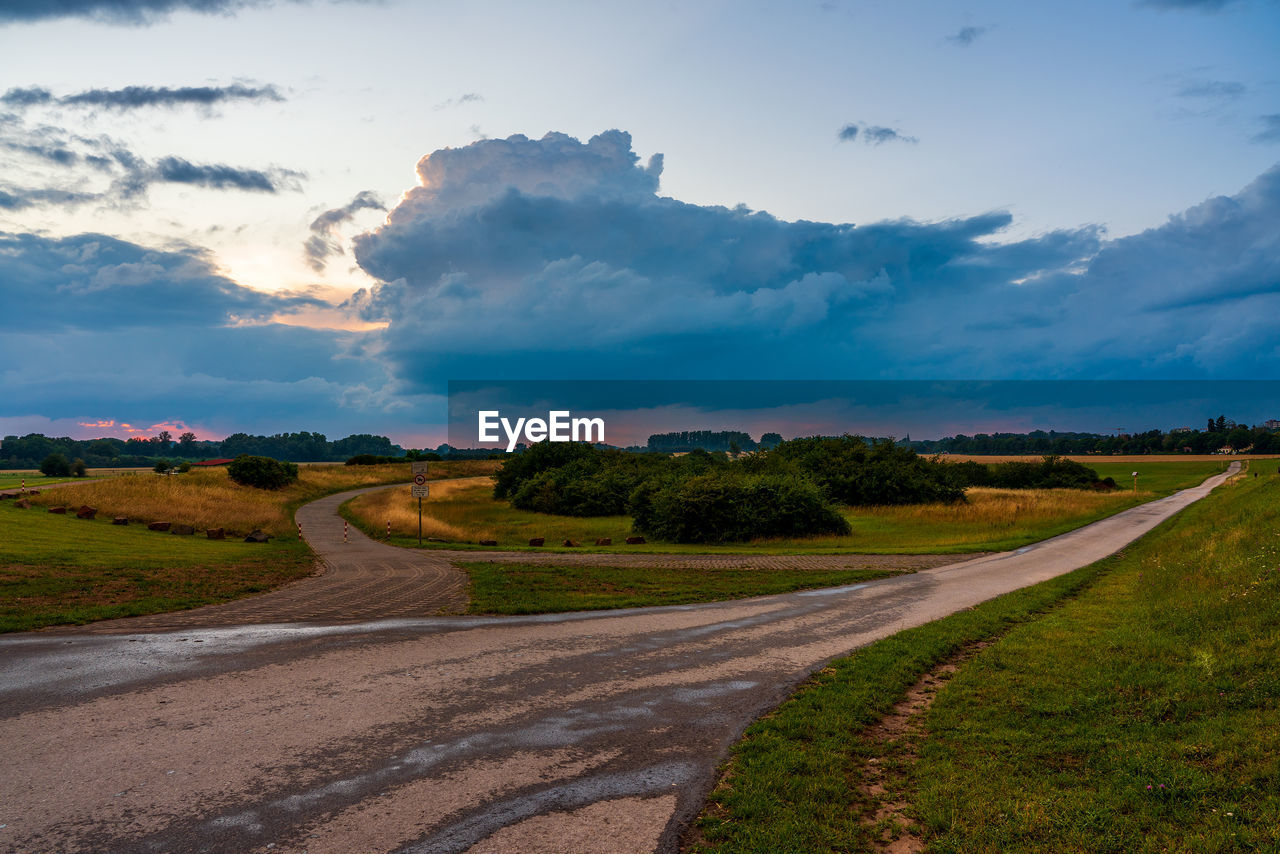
[(62, 570), (1143, 717), (463, 512), (498, 588), (1155, 667), (208, 498)]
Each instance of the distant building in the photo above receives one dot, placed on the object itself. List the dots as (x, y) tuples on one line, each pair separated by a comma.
[(1273, 424)]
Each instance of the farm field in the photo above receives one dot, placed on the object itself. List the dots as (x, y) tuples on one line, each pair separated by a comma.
[(1130, 706), (57, 569), (463, 511), (208, 498), (63, 570)]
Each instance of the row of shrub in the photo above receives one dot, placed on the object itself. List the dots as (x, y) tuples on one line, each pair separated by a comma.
[(793, 489)]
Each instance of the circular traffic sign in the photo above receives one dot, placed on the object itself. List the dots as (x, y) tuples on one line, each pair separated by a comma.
[(419, 479)]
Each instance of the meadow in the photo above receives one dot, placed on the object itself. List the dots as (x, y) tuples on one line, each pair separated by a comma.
[(1130, 706), (57, 569), (463, 512), (207, 498)]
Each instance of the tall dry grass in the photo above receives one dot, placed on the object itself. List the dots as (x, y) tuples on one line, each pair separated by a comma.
[(989, 507), (401, 509), (208, 498)]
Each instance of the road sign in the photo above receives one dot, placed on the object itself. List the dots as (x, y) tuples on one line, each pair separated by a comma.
[(420, 466), (419, 491), (419, 479)]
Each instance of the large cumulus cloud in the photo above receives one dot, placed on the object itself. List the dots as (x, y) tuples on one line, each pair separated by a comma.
[(552, 257), (94, 327)]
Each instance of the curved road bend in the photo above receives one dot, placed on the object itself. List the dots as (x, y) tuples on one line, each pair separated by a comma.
[(559, 733)]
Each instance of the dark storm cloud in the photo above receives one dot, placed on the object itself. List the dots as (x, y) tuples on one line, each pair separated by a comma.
[(92, 281), (133, 97), (551, 257), (219, 176), (127, 12), (324, 239)]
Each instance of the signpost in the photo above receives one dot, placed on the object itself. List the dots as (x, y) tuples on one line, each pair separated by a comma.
[(420, 490)]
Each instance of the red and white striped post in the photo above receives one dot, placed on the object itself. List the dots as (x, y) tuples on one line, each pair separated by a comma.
[(299, 532), (24, 486), (388, 529), (344, 531)]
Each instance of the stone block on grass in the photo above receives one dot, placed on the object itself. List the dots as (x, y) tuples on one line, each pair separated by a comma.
[(183, 530), (58, 510), (120, 520), (158, 526), (537, 541), (86, 512), (572, 544), (256, 537), (604, 541), (488, 542), (216, 534), (635, 541)]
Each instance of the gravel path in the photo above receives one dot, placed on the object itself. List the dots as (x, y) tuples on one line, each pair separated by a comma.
[(362, 579), (557, 734)]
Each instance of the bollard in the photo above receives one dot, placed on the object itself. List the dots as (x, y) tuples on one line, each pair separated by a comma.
[(24, 486), (299, 532), (388, 529), (344, 532)]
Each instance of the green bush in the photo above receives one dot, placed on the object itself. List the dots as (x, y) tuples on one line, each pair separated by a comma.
[(55, 465), (852, 472), (78, 468), (730, 506), (262, 472)]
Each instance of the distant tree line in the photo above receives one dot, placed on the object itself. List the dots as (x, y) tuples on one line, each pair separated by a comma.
[(1218, 433), (32, 450)]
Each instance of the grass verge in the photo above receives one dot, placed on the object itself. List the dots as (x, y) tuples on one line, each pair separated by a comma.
[(507, 588), (463, 512), (1153, 667), (58, 570)]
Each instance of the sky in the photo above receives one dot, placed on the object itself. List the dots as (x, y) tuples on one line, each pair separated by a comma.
[(256, 216)]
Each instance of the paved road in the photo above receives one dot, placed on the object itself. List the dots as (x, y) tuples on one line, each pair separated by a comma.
[(587, 732)]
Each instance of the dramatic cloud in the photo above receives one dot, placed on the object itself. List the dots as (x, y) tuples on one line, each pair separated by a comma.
[(31, 97), (1270, 129), (175, 170), (129, 12), (872, 134), (99, 327), (966, 36), (324, 239), (133, 97), (66, 169), (551, 257), (91, 281)]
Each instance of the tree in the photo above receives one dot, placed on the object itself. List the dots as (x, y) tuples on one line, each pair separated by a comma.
[(187, 443), (78, 468), (262, 472), (1239, 439), (161, 467), (55, 465)]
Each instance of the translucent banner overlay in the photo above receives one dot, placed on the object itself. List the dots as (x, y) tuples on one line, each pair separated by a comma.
[(630, 411)]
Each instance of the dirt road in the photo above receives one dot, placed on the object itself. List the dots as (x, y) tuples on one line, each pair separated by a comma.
[(563, 733)]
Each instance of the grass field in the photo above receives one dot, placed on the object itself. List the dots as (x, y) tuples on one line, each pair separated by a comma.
[(1130, 706), (59, 569), (463, 511), (540, 589), (208, 498)]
